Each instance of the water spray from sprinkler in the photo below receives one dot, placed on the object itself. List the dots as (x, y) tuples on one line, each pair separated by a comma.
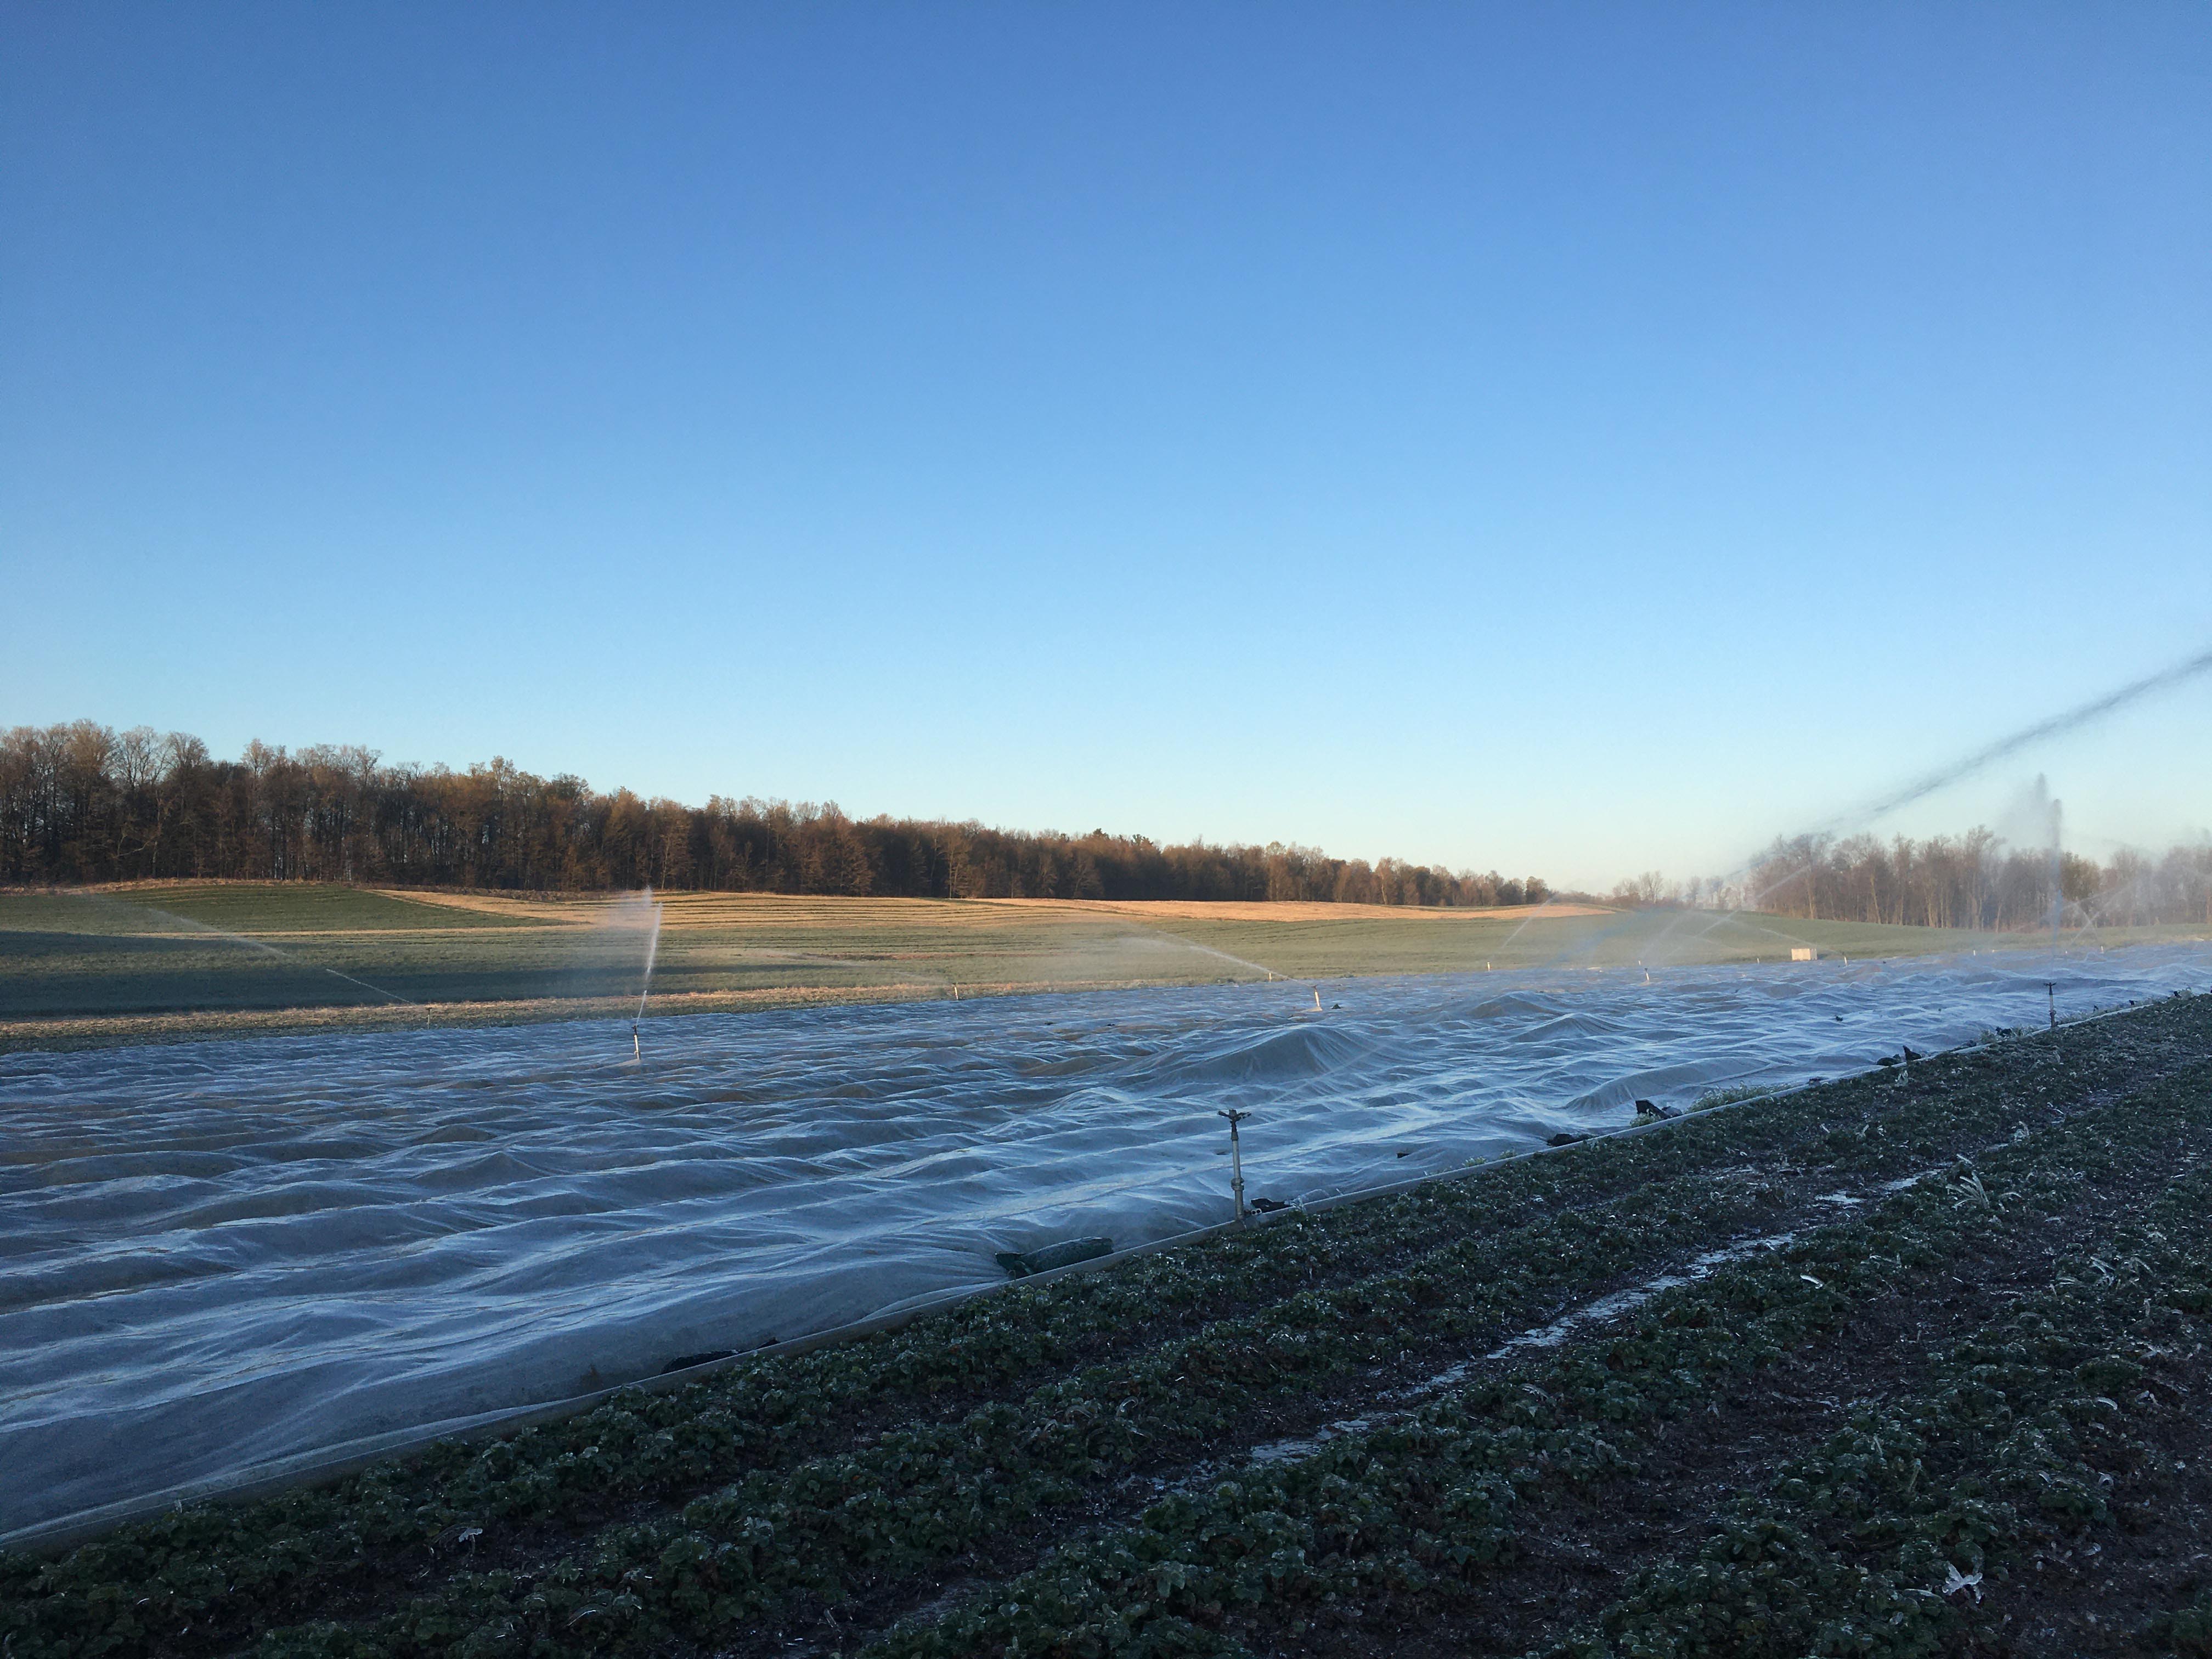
[(2082, 714), (1260, 967), (1980, 759), (645, 987), (1549, 901), (251, 944)]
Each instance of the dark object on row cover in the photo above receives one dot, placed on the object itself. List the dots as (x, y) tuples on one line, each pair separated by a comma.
[(1269, 1205), (1645, 1108), (1564, 1139), (1022, 1263), (685, 1362)]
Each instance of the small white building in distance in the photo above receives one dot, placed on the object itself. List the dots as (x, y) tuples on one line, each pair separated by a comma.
[(1804, 953)]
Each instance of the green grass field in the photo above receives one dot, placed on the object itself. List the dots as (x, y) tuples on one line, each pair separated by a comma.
[(125, 964)]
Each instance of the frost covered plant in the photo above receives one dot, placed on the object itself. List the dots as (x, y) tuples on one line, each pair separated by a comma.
[(1972, 1194)]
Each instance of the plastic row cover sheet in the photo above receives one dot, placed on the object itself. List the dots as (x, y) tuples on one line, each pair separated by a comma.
[(220, 1254)]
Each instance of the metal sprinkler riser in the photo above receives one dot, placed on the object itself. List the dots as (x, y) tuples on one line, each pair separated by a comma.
[(1235, 1159)]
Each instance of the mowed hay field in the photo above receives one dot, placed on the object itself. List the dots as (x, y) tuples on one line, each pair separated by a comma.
[(155, 960)]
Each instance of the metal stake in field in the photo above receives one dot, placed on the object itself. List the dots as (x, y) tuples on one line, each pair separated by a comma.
[(1236, 1158), (2050, 989)]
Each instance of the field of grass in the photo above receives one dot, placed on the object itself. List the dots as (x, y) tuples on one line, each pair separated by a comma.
[(1900, 1365), (140, 964)]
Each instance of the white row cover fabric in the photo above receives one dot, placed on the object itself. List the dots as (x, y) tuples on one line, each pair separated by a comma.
[(218, 1255)]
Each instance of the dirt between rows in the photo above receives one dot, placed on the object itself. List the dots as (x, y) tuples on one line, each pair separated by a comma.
[(1578, 1551)]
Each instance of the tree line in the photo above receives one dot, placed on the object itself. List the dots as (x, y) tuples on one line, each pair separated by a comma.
[(1975, 880), (84, 802)]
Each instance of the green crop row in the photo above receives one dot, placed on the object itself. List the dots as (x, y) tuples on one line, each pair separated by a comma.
[(222, 1571), (916, 1495), (2185, 1633), (1423, 1506), (1901, 1528)]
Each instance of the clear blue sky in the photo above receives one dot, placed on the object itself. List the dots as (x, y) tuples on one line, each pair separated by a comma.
[(1569, 438)]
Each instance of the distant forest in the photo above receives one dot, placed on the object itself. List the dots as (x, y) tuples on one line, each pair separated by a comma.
[(83, 803)]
